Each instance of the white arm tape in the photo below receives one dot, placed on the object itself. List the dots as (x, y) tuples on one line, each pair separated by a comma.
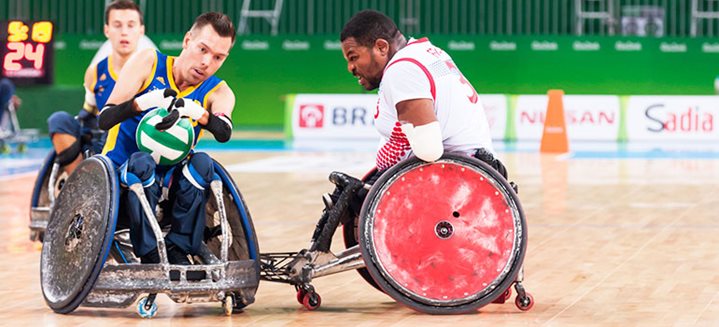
[(191, 109), (425, 140), (90, 98), (155, 98)]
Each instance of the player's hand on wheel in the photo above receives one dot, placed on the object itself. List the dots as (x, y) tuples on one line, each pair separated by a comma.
[(156, 98)]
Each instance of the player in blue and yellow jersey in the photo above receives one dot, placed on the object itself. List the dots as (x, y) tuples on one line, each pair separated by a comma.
[(123, 27), (208, 101)]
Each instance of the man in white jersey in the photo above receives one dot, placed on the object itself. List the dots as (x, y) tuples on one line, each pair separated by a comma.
[(425, 106)]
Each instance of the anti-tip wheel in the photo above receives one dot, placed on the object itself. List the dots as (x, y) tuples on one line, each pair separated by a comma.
[(145, 312), (311, 301), (524, 303)]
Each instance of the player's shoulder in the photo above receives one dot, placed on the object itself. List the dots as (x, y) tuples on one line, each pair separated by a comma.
[(145, 56), (91, 74), (223, 89)]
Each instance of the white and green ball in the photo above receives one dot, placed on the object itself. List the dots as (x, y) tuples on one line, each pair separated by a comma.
[(167, 147)]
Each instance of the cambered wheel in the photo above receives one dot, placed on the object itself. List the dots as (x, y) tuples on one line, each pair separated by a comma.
[(447, 237), (350, 232), (79, 234)]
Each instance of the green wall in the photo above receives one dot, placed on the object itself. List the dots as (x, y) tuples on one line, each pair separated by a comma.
[(262, 69)]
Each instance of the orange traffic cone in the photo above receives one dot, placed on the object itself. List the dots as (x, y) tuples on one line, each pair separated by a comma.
[(554, 137)]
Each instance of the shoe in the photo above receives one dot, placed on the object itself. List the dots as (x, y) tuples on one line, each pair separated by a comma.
[(151, 257), (176, 256)]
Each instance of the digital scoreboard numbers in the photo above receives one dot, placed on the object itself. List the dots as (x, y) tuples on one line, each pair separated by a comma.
[(26, 51)]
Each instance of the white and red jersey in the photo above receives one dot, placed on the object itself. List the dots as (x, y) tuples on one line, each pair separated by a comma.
[(422, 71)]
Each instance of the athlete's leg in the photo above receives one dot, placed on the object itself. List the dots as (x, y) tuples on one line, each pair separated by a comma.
[(188, 197), (142, 166), (65, 134)]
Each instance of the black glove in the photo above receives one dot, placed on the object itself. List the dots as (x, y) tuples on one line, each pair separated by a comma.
[(173, 117)]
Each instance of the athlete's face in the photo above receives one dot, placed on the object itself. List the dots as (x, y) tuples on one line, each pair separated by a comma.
[(204, 51), (124, 30), (366, 63)]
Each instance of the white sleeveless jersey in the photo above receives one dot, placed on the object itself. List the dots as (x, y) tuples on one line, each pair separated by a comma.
[(422, 71)]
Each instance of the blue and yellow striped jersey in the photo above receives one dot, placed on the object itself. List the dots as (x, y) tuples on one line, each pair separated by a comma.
[(105, 78), (121, 141)]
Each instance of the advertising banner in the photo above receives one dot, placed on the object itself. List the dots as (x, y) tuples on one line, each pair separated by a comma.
[(682, 118), (351, 116), (588, 117)]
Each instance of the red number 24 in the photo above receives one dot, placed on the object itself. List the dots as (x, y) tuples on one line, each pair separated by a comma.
[(19, 51)]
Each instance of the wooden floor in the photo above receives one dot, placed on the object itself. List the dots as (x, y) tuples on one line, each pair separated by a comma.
[(611, 242)]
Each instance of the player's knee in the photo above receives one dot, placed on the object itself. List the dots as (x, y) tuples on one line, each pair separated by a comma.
[(69, 155), (62, 122), (199, 170), (141, 165)]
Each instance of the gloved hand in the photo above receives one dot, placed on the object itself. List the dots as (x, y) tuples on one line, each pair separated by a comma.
[(180, 109), (86, 119), (156, 98)]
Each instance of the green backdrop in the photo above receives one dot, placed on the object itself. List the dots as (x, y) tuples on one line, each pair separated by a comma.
[(262, 69)]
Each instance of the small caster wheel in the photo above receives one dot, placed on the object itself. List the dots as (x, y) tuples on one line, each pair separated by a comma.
[(228, 304), (524, 303), (237, 303), (504, 297), (145, 310), (301, 295), (312, 301), (4, 149), (21, 148)]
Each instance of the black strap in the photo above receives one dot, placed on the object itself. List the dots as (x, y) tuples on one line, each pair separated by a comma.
[(219, 128), (112, 114)]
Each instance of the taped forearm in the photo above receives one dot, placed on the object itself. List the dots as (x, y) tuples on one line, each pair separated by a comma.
[(425, 140), (112, 114), (220, 126)]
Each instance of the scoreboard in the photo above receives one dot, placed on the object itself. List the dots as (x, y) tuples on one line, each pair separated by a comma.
[(26, 51)]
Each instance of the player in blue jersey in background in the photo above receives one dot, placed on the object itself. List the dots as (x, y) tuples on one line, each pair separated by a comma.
[(208, 102), (123, 27)]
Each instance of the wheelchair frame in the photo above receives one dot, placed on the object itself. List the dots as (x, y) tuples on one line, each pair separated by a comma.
[(300, 268), (231, 282)]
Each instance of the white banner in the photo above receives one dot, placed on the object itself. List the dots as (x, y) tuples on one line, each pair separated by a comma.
[(338, 116), (683, 118), (588, 117), (351, 116)]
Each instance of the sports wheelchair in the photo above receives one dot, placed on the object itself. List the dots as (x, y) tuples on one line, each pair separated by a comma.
[(86, 261), (446, 237)]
